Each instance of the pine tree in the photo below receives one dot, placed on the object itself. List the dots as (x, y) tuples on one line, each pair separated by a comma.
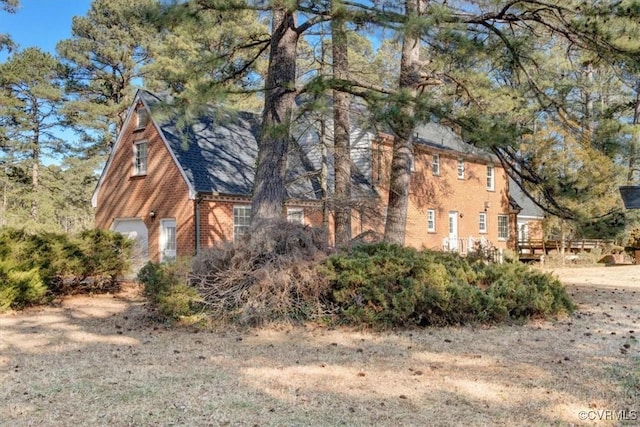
[(31, 95), (105, 57)]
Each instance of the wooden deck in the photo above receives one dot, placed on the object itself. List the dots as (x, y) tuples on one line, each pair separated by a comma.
[(533, 250)]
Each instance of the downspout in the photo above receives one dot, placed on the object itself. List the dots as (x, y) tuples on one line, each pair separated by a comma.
[(196, 208)]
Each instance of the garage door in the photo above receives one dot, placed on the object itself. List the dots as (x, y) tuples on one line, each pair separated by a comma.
[(135, 229)]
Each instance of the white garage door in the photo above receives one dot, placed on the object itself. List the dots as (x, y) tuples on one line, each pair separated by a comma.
[(135, 229)]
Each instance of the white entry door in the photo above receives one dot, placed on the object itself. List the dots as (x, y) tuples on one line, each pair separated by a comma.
[(453, 231), (167, 239)]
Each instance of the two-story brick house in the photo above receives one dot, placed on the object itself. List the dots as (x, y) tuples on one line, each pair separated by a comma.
[(177, 189)]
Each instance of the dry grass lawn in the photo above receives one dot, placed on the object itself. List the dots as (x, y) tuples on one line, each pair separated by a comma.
[(100, 361)]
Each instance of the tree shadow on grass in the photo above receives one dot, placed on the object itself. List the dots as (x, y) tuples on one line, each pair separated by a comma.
[(104, 362)]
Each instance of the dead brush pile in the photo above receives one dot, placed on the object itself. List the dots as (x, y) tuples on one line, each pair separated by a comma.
[(266, 275)]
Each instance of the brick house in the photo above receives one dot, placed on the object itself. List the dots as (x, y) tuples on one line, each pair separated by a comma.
[(176, 189)]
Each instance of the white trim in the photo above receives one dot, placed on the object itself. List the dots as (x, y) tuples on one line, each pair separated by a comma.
[(130, 116), (491, 187), (460, 162), (135, 146), (435, 164), (486, 226), (433, 219), (164, 224), (506, 217), (233, 218), (295, 210)]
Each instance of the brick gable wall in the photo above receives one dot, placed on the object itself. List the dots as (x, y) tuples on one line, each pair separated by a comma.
[(162, 190)]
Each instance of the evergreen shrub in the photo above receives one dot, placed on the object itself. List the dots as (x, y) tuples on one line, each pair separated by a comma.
[(19, 288), (166, 288), (89, 262), (385, 285)]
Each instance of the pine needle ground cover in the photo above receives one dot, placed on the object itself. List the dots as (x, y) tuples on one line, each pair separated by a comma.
[(100, 360)]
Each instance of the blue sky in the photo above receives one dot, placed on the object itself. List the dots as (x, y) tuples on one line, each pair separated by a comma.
[(42, 23)]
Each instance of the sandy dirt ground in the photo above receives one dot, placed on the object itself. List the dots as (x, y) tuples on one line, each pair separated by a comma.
[(101, 361)]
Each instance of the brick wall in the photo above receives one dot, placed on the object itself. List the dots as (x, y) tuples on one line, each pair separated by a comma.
[(445, 194), (162, 190)]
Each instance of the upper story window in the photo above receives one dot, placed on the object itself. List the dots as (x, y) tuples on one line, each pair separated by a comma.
[(490, 178), (140, 149), (435, 164), (482, 223), (142, 117), (460, 169), (431, 220), (295, 215), (503, 227), (241, 220)]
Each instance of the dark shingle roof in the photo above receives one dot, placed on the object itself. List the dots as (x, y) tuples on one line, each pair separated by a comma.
[(443, 138), (217, 151)]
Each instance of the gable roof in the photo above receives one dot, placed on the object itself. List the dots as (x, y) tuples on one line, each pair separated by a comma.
[(527, 207), (217, 151), (443, 138)]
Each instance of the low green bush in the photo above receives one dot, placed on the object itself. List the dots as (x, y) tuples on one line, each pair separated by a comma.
[(19, 288), (385, 285), (165, 286), (89, 262)]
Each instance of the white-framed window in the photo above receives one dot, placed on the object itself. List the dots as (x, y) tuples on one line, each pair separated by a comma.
[(435, 164), (241, 220), (295, 215), (168, 242), (431, 220), (503, 227), (460, 169), (140, 153), (490, 178), (142, 118), (482, 223)]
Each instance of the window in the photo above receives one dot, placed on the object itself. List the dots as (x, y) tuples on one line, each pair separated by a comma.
[(295, 215), (167, 239), (503, 227), (431, 220), (435, 164), (142, 117), (482, 223), (241, 220), (460, 169), (140, 158), (490, 178)]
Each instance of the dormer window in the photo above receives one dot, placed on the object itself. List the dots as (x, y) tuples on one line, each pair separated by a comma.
[(142, 117)]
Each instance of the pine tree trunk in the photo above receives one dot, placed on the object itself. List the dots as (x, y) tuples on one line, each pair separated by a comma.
[(341, 131), (35, 176), (402, 157), (269, 191), (635, 138)]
